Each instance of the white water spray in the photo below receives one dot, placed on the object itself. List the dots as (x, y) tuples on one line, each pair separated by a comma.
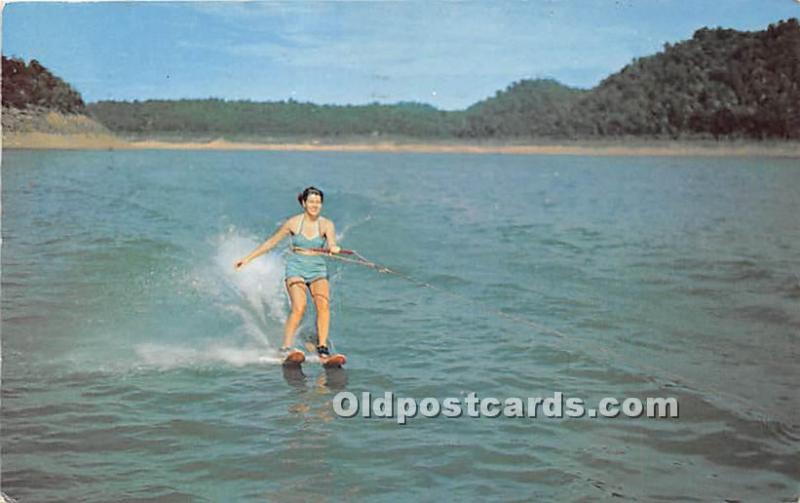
[(255, 294)]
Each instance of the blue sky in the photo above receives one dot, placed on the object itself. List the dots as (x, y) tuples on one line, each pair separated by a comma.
[(444, 53)]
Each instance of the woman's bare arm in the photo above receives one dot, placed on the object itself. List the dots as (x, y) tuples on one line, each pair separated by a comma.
[(284, 230)]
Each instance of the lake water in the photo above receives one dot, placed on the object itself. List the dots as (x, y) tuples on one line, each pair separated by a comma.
[(138, 366)]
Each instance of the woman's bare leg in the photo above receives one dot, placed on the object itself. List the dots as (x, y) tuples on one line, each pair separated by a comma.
[(320, 292), (297, 298)]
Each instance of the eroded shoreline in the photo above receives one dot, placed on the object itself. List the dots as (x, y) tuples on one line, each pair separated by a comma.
[(45, 141)]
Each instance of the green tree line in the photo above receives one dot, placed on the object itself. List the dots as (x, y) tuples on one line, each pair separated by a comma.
[(217, 116)]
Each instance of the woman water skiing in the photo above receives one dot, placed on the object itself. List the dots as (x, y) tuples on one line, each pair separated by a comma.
[(306, 269)]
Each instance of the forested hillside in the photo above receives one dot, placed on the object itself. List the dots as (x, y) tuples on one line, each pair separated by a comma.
[(721, 83), (529, 108)]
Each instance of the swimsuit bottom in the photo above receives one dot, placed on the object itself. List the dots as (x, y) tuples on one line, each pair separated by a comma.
[(308, 267)]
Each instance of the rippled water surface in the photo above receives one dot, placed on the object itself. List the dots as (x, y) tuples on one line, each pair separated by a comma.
[(137, 366)]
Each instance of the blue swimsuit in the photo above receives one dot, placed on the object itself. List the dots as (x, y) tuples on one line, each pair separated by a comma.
[(308, 267)]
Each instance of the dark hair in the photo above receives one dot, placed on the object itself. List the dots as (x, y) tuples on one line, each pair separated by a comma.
[(303, 196)]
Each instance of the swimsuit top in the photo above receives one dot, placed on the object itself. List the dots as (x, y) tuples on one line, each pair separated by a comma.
[(300, 241)]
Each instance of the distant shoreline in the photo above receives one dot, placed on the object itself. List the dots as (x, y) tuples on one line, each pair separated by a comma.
[(631, 147)]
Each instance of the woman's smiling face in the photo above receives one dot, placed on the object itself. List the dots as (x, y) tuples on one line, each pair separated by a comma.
[(313, 204)]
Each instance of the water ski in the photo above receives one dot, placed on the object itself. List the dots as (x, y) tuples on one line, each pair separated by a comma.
[(333, 361), (294, 357)]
